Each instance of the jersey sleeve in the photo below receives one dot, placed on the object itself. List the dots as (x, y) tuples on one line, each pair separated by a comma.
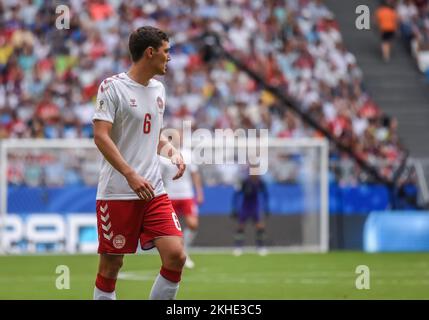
[(106, 104)]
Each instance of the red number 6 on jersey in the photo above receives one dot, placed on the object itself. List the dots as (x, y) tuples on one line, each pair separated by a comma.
[(146, 123)]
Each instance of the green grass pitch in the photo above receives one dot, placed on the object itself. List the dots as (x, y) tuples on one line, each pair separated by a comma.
[(223, 276)]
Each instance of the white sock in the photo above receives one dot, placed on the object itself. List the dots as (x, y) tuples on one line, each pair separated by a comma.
[(101, 295), (188, 237), (163, 289)]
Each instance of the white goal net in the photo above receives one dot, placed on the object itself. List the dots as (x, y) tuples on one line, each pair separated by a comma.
[(48, 187)]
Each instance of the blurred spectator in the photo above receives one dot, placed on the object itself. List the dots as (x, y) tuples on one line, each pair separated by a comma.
[(414, 24), (49, 77), (387, 21), (407, 13)]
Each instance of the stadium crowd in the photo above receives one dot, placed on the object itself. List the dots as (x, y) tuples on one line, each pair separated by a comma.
[(49, 77), (413, 16)]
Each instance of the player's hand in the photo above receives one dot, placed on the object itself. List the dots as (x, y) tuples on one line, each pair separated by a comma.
[(143, 188), (177, 159)]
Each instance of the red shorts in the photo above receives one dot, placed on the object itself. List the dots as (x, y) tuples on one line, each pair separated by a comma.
[(185, 207), (121, 223)]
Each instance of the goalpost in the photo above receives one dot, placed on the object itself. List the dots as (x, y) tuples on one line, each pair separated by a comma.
[(296, 172), (30, 166), (55, 175)]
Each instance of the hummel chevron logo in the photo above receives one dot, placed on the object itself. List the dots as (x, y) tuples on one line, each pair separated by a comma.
[(104, 218), (108, 236), (106, 228), (103, 209)]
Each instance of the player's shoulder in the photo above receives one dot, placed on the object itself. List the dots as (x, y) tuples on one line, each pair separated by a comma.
[(156, 84), (112, 81)]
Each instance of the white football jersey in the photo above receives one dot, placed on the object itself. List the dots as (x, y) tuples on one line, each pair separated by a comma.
[(136, 112), (181, 188)]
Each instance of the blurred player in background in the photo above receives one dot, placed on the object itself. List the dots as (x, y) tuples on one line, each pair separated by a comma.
[(181, 192), (132, 204), (247, 205)]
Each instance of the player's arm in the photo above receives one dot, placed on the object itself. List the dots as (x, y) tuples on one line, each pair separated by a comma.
[(109, 150), (167, 150), (196, 180)]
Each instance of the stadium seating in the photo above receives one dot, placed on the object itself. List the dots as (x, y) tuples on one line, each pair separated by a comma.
[(414, 27), (49, 77)]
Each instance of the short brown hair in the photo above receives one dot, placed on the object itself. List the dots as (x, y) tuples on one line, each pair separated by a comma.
[(145, 37)]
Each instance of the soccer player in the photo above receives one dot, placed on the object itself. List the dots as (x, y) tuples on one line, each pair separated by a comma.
[(247, 205), (132, 204), (181, 193)]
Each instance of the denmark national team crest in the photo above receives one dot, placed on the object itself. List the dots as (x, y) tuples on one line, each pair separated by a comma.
[(160, 104), (119, 241)]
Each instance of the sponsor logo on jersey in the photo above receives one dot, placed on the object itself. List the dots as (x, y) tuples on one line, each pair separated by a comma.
[(133, 103), (119, 241)]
